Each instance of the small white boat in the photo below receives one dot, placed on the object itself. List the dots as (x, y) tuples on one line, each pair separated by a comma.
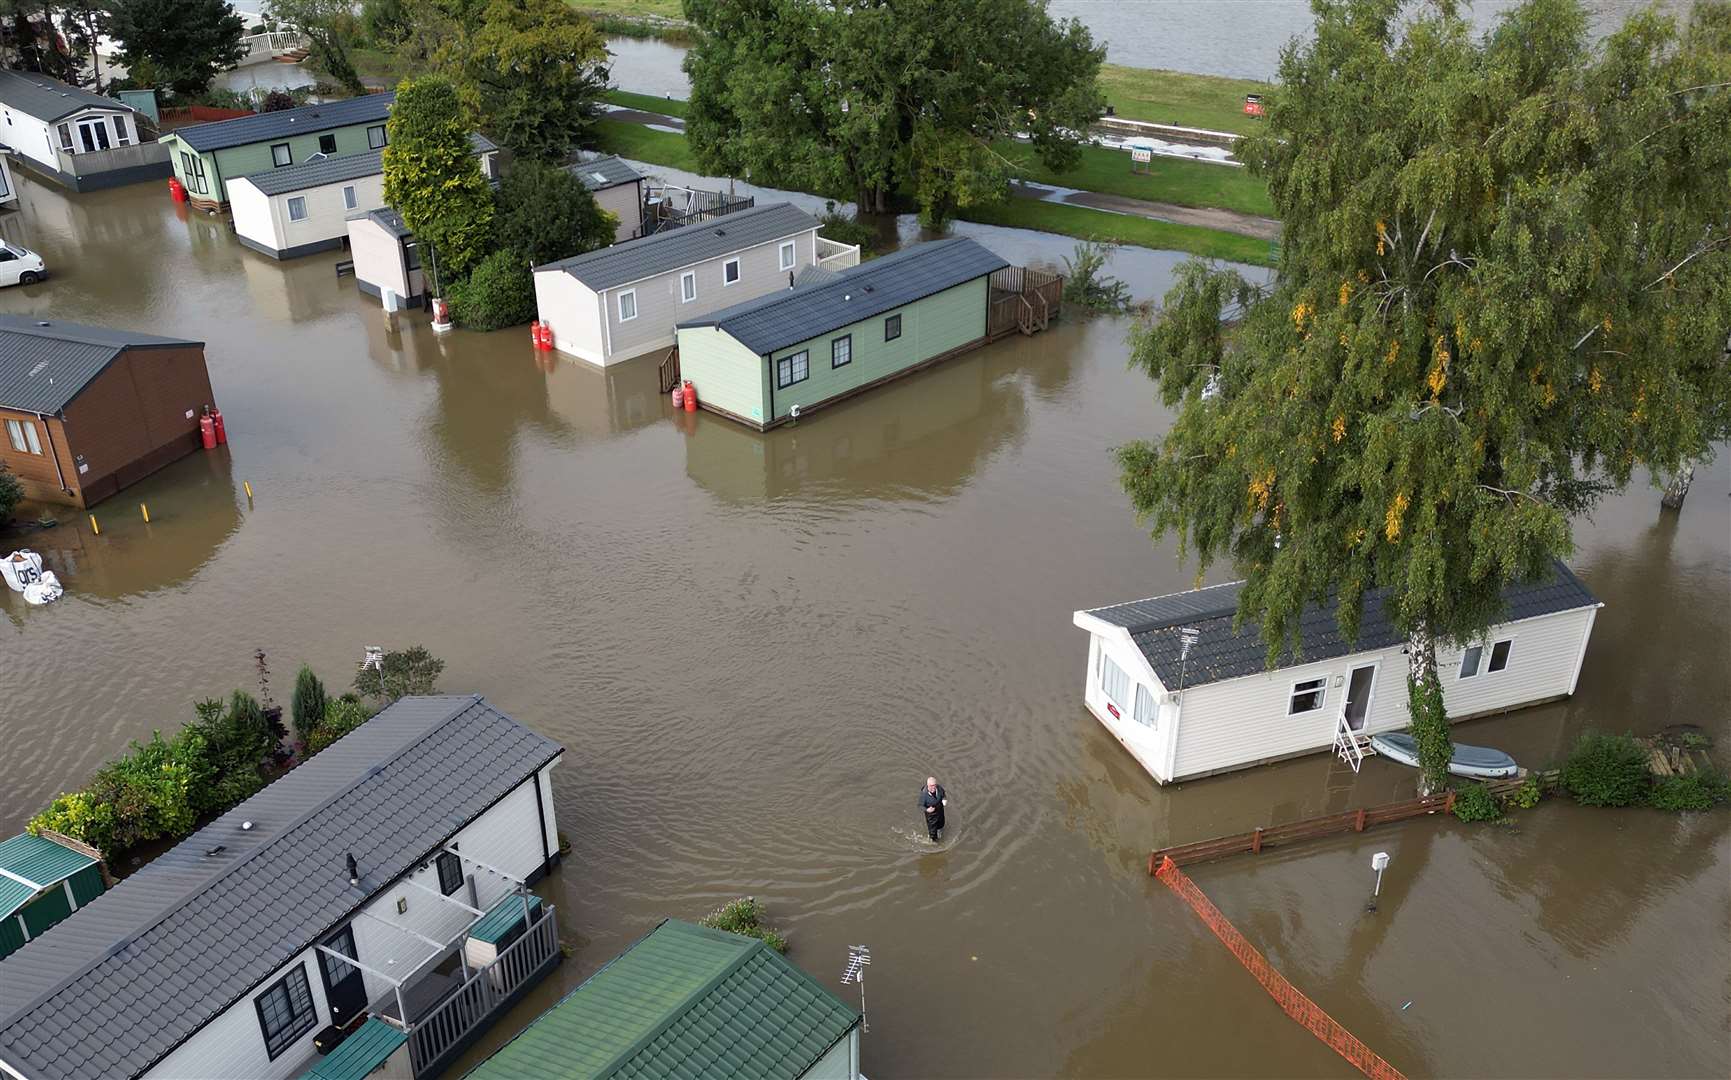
[(23, 573), (1478, 762)]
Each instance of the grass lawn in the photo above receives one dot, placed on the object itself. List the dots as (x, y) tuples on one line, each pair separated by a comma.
[(1087, 224), (647, 102), (639, 143), (1172, 180), (661, 9), (1168, 97)]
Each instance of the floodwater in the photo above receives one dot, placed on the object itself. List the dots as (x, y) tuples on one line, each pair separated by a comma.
[(755, 647), (1241, 39)]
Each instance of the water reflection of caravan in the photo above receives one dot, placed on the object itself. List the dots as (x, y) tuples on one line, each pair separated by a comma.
[(603, 401)]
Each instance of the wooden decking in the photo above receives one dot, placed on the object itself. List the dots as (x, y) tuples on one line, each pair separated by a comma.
[(1022, 300)]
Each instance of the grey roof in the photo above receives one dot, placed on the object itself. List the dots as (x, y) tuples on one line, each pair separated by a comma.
[(50, 99), (263, 127), (786, 318), (1218, 654), (604, 173), (674, 249), (137, 971), (319, 171), (45, 363), (813, 275), (385, 218)]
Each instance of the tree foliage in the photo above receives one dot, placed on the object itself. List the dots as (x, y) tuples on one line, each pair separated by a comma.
[(11, 493), (184, 43), (499, 292), (1505, 285), (308, 704), (534, 72), (400, 674), (868, 99), (330, 26), (432, 177), (545, 213)]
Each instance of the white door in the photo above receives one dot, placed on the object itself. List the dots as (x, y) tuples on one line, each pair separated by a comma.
[(1358, 690), (93, 134)]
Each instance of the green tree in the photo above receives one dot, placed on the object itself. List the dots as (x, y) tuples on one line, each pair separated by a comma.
[(1505, 285), (184, 42), (868, 99), (499, 292), (388, 23), (534, 72), (545, 213), (308, 704), (433, 179), (11, 493), (330, 26), (401, 674)]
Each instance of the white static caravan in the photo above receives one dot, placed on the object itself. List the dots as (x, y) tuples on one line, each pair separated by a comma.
[(8, 187), (387, 259), (78, 139), (330, 909), (618, 189), (1220, 708), (301, 209), (618, 302)]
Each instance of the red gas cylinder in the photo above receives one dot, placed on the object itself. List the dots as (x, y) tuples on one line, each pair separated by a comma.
[(176, 190), (690, 397), (207, 431), (535, 333), (678, 397), (546, 339), (216, 422)]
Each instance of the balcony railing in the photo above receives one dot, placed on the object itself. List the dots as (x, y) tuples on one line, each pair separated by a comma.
[(836, 256), (444, 1032), (91, 162)]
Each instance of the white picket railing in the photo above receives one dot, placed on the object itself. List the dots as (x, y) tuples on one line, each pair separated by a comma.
[(434, 1037)]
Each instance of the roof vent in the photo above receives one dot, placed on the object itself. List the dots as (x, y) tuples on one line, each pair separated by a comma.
[(721, 232), (217, 850), (354, 870), (246, 826), (42, 323)]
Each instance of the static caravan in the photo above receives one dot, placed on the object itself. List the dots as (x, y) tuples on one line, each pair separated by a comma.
[(206, 157), (623, 301), (387, 259), (618, 189), (1217, 706), (285, 213), (76, 138), (8, 187), (688, 1001), (43, 879), (767, 360), (319, 923)]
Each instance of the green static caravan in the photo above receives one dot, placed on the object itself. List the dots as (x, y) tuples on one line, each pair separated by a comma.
[(42, 881), (778, 357), (207, 156)]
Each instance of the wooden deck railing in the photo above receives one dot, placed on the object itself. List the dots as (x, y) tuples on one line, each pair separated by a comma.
[(1022, 298), (668, 371), (447, 1030)]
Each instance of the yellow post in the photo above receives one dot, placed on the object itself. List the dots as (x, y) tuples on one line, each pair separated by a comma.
[(146, 511), (248, 485), (94, 527)]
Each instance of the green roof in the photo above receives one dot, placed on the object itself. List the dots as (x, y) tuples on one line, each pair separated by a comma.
[(682, 1003), (505, 918), (40, 862), (359, 1054)]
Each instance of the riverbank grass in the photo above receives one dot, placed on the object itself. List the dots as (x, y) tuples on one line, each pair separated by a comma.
[(658, 9), (1171, 180), (1179, 97), (666, 106)]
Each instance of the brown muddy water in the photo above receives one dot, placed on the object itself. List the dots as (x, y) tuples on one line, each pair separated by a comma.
[(755, 648)]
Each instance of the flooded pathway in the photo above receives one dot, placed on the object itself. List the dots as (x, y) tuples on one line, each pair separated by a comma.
[(755, 647)]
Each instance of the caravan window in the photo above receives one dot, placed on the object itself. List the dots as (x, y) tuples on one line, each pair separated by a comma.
[(1500, 655), (628, 305), (297, 208), (22, 433), (327, 144), (450, 873), (792, 369), (280, 155), (285, 1011), (1114, 681), (1307, 696), (688, 286), (729, 272), (787, 258), (1473, 659), (1144, 706)]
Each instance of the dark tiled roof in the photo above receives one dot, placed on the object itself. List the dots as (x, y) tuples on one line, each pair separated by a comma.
[(684, 1002), (1218, 654), (793, 315), (242, 130), (44, 363), (672, 249), (319, 171), (385, 218), (50, 99), (136, 972), (604, 173)]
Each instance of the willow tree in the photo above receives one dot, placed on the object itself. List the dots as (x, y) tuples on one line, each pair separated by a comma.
[(1504, 286), (432, 177)]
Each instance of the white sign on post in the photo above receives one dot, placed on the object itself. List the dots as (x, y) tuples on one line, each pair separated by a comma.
[(1141, 155)]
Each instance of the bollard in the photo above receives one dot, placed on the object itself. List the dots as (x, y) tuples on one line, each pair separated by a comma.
[(145, 510), (94, 527), (248, 485)]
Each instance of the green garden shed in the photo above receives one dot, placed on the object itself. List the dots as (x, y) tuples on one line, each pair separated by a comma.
[(688, 1001), (834, 334), (42, 881)]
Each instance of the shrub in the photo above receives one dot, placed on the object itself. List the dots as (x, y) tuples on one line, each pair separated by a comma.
[(1476, 803), (837, 226), (1086, 283), (401, 674), (1607, 770), (277, 101), (500, 292), (1696, 791), (237, 740), (744, 916), (144, 795), (1524, 797), (545, 213), (308, 704), (11, 493), (342, 716)]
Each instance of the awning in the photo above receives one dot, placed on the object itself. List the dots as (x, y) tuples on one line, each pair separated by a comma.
[(360, 1053)]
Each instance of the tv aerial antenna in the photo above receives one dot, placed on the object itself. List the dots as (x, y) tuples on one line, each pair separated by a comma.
[(859, 958)]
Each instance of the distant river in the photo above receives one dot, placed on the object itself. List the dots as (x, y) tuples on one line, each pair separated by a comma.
[(1238, 38)]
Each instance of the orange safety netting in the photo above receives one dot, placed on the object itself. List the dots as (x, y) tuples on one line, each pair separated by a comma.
[(1287, 996)]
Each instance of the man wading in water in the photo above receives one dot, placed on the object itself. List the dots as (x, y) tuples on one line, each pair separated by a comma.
[(932, 802)]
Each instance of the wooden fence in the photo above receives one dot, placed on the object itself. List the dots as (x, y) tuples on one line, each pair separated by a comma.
[(1022, 299), (1315, 828)]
